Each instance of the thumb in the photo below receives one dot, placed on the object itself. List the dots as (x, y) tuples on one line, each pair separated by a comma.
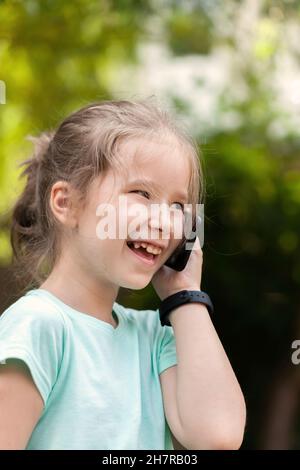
[(197, 246)]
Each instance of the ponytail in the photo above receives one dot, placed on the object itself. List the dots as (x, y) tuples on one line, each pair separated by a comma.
[(27, 235)]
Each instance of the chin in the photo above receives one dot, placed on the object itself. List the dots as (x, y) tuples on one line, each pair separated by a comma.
[(137, 284)]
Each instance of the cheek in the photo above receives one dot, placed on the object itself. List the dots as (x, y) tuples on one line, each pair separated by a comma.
[(177, 221), (137, 214), (102, 256), (111, 249), (173, 246), (169, 251), (88, 226)]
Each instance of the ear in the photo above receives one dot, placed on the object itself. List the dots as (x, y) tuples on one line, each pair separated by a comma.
[(63, 203)]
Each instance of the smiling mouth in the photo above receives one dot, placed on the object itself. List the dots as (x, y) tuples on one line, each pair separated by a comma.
[(142, 252)]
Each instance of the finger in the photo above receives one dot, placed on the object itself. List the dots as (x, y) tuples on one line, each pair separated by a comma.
[(197, 246)]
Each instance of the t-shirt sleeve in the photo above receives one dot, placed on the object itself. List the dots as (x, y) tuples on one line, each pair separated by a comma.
[(35, 335), (167, 356)]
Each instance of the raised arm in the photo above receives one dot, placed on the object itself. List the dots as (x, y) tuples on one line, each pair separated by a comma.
[(204, 404)]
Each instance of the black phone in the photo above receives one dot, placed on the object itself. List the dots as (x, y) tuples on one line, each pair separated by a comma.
[(180, 257)]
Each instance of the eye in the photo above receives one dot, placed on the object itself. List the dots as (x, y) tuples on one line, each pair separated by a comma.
[(181, 205), (148, 195), (140, 191)]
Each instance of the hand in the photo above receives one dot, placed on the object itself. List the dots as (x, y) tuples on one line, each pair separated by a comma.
[(167, 281)]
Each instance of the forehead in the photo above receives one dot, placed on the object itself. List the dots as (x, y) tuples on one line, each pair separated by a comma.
[(165, 159)]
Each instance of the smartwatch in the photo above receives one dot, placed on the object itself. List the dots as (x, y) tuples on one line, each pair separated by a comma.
[(180, 298)]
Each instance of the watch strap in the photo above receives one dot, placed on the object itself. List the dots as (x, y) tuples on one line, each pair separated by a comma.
[(181, 298)]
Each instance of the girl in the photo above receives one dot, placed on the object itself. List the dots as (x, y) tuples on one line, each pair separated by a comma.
[(79, 370)]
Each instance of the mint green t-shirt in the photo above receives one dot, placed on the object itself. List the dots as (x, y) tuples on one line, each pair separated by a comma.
[(100, 385)]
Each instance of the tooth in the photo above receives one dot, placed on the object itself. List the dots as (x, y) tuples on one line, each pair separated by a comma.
[(150, 248), (153, 250)]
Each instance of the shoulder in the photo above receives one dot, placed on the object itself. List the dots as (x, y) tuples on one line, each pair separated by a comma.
[(161, 338), (146, 320), (35, 311), (134, 315), (33, 331)]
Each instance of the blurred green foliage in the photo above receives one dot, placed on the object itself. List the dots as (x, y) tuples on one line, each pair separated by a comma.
[(57, 55)]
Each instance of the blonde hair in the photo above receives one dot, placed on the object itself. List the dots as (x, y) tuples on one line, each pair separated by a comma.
[(83, 146)]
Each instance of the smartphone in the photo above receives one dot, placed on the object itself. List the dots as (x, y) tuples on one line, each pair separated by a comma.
[(180, 257)]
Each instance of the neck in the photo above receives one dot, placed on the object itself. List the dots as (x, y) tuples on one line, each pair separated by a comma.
[(75, 287)]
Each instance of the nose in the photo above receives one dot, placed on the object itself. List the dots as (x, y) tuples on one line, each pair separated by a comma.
[(162, 221)]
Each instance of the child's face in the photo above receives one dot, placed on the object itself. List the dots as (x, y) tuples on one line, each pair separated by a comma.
[(110, 259)]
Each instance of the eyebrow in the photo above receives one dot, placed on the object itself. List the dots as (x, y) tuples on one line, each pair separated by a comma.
[(150, 184)]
